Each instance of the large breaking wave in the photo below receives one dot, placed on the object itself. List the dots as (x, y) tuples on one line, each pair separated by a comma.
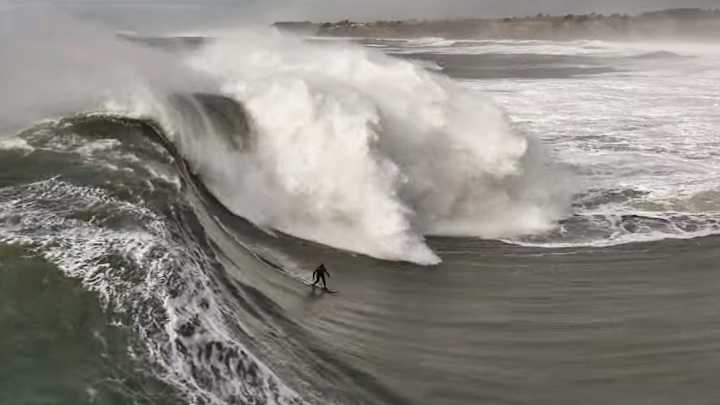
[(333, 143), (352, 148)]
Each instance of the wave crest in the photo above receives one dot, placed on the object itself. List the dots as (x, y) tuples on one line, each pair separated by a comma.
[(361, 151)]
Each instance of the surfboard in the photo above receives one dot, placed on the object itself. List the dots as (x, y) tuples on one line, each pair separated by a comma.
[(327, 290)]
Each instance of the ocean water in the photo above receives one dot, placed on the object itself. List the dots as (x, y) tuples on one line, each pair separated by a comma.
[(505, 221)]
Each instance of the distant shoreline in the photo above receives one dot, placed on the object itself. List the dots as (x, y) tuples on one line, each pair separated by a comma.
[(682, 23)]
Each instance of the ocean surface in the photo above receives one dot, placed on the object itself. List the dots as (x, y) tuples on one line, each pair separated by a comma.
[(506, 222)]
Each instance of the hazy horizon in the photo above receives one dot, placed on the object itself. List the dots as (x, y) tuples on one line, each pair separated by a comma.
[(159, 15), (400, 9)]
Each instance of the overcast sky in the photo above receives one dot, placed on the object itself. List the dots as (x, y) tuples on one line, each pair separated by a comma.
[(187, 13)]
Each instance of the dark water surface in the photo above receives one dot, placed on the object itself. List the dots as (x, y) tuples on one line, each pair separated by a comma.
[(58, 346), (500, 324)]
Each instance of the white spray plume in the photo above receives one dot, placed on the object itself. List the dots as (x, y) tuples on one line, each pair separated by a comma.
[(368, 153), (351, 148)]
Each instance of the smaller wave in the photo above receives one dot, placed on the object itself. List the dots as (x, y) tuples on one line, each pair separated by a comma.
[(469, 43), (430, 42), (611, 217), (174, 43), (613, 229), (15, 143), (659, 55)]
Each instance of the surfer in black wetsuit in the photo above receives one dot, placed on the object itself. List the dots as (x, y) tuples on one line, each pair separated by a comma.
[(319, 274)]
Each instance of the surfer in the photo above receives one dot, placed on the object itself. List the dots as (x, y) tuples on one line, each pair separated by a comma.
[(319, 274)]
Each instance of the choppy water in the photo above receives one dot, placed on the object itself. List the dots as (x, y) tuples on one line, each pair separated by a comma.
[(127, 277), (636, 123)]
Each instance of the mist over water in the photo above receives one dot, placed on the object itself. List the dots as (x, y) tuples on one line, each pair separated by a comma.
[(54, 65)]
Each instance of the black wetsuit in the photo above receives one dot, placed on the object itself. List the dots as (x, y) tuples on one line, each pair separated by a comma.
[(319, 274)]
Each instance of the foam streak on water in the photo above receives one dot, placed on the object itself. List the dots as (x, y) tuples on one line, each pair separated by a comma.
[(146, 271)]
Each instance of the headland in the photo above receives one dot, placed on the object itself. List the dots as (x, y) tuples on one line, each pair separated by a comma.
[(680, 23)]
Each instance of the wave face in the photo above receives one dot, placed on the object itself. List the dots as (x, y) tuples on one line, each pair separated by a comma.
[(355, 149), (108, 209)]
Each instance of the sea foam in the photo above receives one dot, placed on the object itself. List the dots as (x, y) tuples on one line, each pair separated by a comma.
[(365, 152)]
